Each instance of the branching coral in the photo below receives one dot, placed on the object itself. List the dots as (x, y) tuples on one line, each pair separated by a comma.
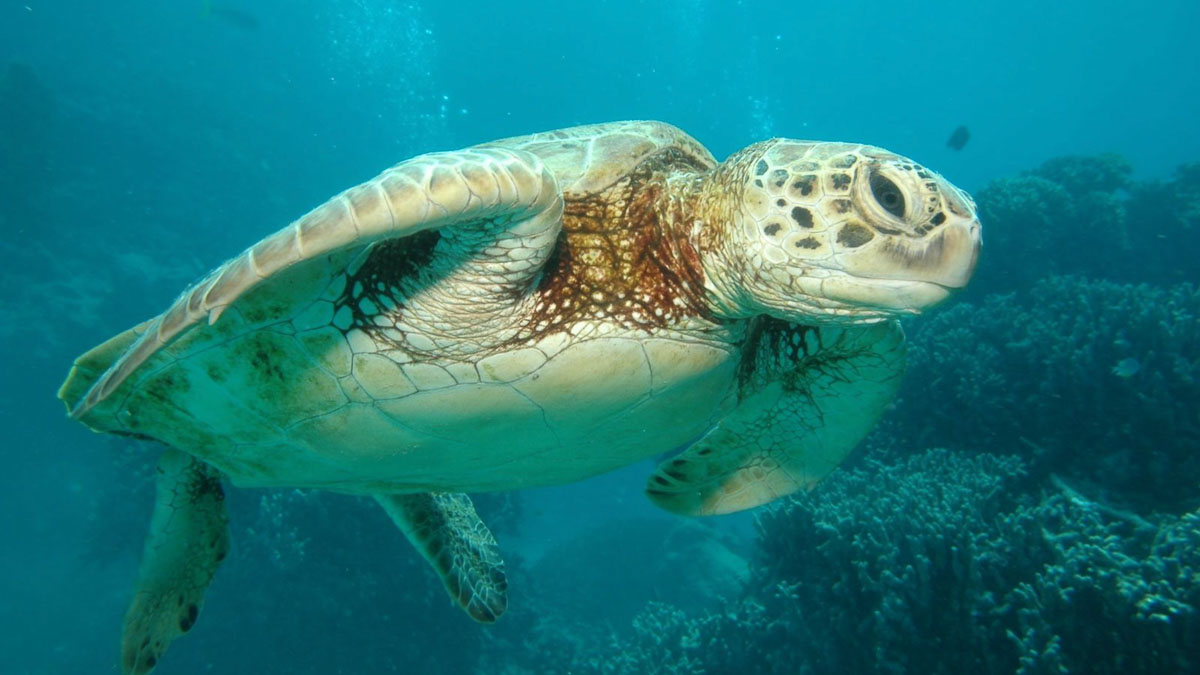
[(933, 565), (1103, 599), (1094, 380), (1167, 214), (1025, 222), (1083, 175), (1085, 216), (880, 560)]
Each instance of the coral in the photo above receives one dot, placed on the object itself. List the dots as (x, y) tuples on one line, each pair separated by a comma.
[(1097, 381), (883, 558), (1102, 598), (665, 640), (1085, 216), (936, 564), (1025, 225), (1083, 175), (1168, 216)]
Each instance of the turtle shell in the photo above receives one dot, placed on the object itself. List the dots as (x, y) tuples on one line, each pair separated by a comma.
[(359, 370)]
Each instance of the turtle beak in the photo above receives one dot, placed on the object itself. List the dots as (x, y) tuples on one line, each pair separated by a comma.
[(976, 235), (959, 242), (945, 258)]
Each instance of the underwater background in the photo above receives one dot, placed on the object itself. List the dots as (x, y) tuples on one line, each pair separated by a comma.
[(1031, 503)]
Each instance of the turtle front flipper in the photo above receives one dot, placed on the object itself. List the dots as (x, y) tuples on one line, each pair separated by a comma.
[(449, 534), (808, 395), (189, 537), (509, 194)]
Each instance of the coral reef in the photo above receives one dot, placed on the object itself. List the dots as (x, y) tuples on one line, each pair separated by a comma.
[(1168, 214), (1097, 381), (1101, 591), (936, 564), (1084, 175), (887, 557), (1086, 216), (1025, 217)]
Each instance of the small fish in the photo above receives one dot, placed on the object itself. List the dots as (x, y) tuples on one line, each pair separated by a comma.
[(958, 139), (1127, 367), (238, 18)]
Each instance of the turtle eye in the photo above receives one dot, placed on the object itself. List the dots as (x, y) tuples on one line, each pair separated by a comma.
[(887, 194)]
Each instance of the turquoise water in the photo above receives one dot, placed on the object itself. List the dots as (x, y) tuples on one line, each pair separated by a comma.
[(143, 143)]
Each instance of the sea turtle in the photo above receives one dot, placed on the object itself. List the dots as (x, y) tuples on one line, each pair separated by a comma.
[(526, 312)]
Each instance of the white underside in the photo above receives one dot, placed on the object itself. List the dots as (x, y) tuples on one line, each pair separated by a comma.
[(358, 421)]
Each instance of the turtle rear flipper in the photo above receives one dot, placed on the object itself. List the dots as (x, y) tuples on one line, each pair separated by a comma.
[(449, 534), (189, 537), (808, 396)]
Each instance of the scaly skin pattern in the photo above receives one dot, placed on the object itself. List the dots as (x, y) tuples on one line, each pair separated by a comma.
[(189, 537), (797, 230), (532, 311)]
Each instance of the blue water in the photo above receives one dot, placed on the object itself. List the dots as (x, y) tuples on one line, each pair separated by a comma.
[(143, 143)]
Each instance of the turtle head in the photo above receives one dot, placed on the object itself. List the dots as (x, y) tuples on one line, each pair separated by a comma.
[(838, 232)]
